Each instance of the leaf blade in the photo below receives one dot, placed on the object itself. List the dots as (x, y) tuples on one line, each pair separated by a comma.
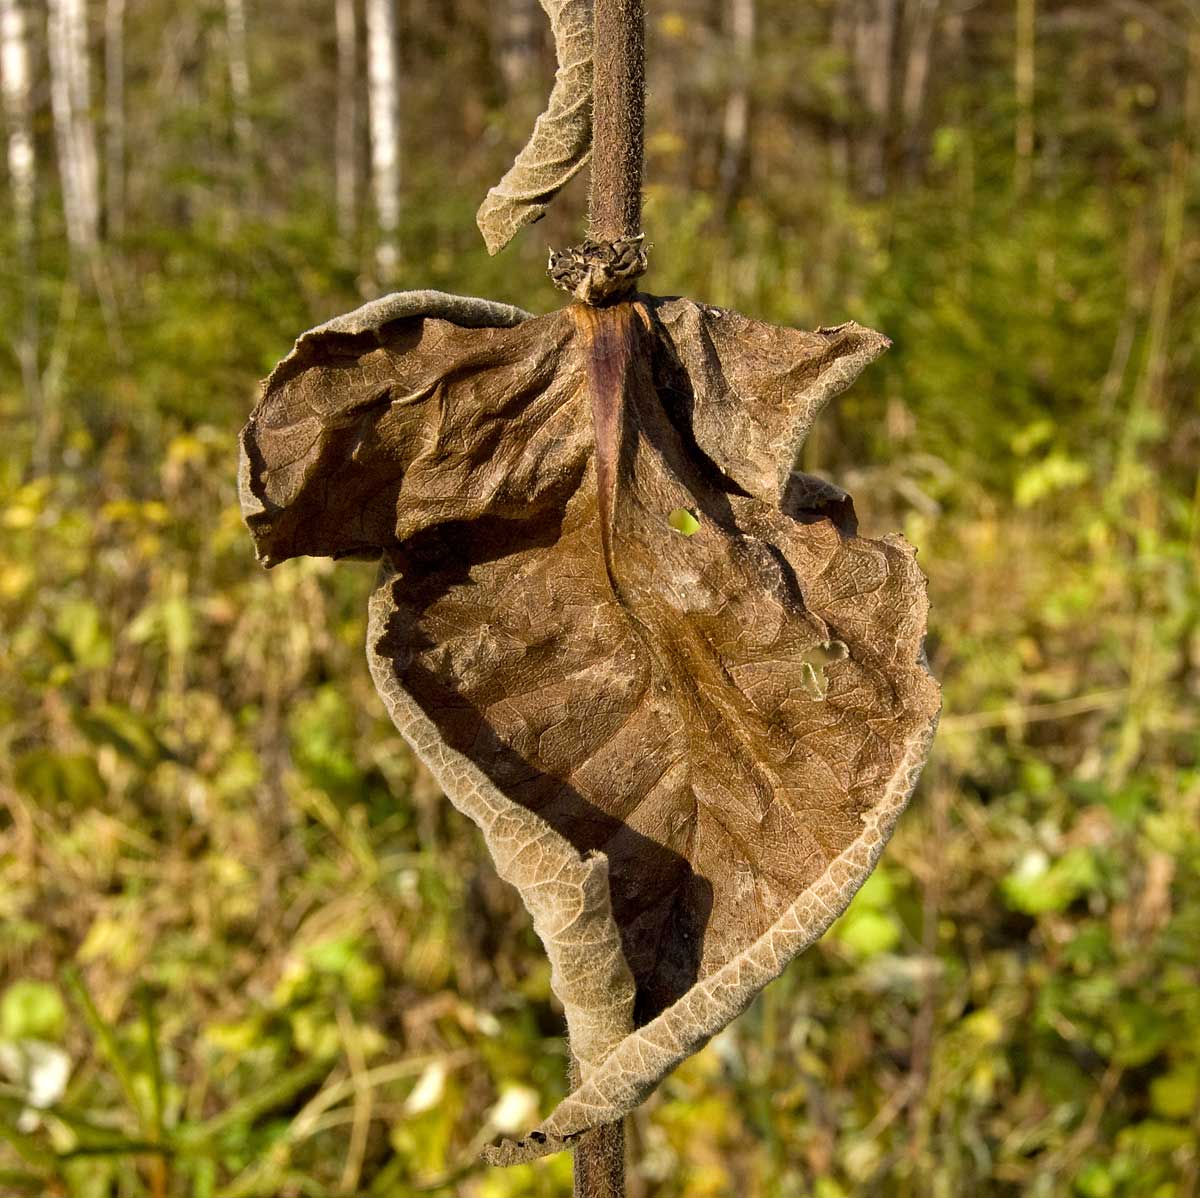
[(632, 716)]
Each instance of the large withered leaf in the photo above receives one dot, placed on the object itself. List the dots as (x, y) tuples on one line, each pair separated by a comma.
[(684, 701)]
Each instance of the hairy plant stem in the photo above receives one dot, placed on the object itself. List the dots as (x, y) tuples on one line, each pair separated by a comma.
[(618, 118), (600, 1163), (605, 268), (615, 213), (599, 1157)]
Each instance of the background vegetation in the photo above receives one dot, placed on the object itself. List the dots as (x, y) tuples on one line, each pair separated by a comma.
[(246, 949)]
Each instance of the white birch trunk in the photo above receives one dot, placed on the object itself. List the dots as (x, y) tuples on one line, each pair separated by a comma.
[(60, 105), (81, 99), (239, 73), (14, 76), (346, 138), (383, 81), (114, 116), (70, 98), (22, 175)]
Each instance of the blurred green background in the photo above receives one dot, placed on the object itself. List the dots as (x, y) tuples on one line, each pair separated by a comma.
[(247, 949)]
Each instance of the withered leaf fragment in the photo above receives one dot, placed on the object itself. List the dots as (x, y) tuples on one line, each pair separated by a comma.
[(562, 136), (683, 700)]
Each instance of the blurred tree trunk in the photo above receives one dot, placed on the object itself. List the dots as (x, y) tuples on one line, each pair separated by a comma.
[(921, 25), (888, 48), (22, 174), (79, 170), (841, 38), (518, 37), (383, 81), (1024, 74), (735, 128), (874, 42), (114, 116), (346, 149), (70, 98), (239, 75)]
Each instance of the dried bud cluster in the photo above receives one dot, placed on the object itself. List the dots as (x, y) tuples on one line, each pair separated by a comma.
[(599, 272)]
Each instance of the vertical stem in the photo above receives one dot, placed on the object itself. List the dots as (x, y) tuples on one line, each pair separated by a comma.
[(600, 1163), (618, 135), (599, 1157), (618, 118)]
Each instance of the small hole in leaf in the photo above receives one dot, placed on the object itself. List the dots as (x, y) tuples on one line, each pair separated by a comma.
[(813, 663), (684, 521)]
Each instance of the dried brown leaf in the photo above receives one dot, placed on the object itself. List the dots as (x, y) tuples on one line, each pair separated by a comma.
[(562, 135), (682, 698)]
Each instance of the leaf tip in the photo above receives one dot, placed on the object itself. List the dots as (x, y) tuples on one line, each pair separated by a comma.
[(500, 219), (532, 1147)]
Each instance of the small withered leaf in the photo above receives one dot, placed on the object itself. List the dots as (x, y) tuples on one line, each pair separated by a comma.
[(686, 741), (562, 136)]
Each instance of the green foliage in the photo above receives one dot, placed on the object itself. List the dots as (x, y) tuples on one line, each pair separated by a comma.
[(32, 1010), (871, 925)]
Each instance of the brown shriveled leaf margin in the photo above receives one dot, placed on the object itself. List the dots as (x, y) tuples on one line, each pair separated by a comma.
[(682, 699)]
